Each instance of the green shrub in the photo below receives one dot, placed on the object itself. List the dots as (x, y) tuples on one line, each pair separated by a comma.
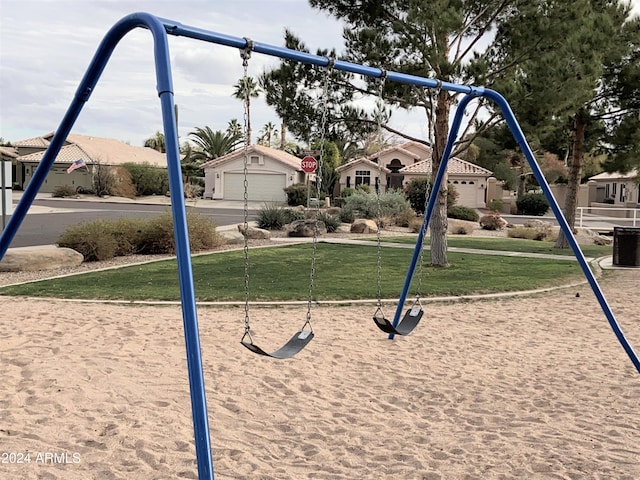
[(121, 183), (415, 192), (273, 217), (125, 231), (63, 191), (609, 200), (496, 205), (463, 213), (460, 228), (297, 194), (365, 205), (493, 221), (346, 215), (92, 239), (532, 204), (332, 222), (148, 179), (528, 233), (202, 233), (404, 218), (156, 234), (105, 239), (415, 224), (347, 192), (290, 215), (363, 188)]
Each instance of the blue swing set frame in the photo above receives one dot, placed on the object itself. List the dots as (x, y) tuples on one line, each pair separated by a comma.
[(160, 29)]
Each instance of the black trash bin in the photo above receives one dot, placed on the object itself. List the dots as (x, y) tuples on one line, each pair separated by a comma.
[(626, 246)]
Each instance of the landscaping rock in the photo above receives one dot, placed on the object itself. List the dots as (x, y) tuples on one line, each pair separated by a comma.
[(232, 237), (254, 233), (45, 257), (364, 225), (305, 228)]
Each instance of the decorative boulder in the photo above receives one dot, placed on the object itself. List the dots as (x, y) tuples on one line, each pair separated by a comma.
[(364, 225), (305, 228), (45, 257), (254, 233), (232, 237)]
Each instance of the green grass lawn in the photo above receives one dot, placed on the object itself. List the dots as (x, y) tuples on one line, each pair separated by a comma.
[(343, 272), (508, 244)]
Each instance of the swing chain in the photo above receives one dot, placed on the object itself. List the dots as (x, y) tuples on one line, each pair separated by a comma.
[(323, 129), (245, 54), (378, 186)]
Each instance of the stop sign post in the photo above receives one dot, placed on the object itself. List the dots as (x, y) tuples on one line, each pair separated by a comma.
[(309, 164)]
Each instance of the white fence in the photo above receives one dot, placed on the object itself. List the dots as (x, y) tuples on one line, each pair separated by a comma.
[(608, 216)]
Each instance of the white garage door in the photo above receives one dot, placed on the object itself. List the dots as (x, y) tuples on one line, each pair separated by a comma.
[(467, 194), (262, 187)]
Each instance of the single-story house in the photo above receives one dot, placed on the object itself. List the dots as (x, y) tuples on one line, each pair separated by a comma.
[(91, 150), (269, 172), (621, 187), (399, 164)]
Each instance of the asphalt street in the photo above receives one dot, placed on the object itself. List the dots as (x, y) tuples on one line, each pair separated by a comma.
[(48, 218)]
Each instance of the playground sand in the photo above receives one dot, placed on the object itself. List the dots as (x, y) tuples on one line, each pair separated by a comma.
[(534, 387)]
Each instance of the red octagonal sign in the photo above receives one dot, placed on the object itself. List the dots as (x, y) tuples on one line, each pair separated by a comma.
[(309, 164)]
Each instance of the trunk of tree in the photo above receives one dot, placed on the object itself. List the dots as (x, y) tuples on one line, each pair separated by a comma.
[(575, 173), (283, 135), (439, 223), (522, 179)]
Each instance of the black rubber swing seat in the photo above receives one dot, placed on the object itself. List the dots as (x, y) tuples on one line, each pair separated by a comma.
[(407, 325), (288, 350)]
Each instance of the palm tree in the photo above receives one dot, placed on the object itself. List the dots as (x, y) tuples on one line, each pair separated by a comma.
[(156, 142), (268, 132), (245, 90), (234, 128), (212, 144)]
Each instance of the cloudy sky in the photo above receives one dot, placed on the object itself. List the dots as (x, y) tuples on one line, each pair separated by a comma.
[(46, 46)]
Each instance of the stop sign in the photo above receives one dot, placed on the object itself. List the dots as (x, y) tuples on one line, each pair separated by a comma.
[(309, 164)]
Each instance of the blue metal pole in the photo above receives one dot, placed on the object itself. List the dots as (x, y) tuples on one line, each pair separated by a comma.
[(178, 29), (520, 138), (187, 292), (433, 198)]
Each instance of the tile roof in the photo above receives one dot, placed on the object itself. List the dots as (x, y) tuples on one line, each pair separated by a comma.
[(422, 167), (456, 166), (39, 142), (11, 152), (114, 152), (363, 160), (280, 155), (68, 154), (93, 149)]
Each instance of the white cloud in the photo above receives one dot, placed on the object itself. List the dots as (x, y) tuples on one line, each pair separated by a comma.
[(46, 47)]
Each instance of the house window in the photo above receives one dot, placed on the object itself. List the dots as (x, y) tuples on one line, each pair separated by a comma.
[(606, 191), (614, 190), (363, 177), (348, 181), (255, 160), (622, 185)]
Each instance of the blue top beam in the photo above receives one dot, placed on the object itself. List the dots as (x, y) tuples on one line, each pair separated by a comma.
[(177, 29)]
